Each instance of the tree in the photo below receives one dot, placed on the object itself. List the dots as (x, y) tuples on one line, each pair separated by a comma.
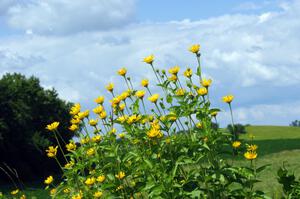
[(239, 129), (25, 109), (295, 123)]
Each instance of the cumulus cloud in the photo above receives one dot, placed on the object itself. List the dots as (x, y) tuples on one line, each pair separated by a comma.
[(67, 17), (265, 114), (256, 57)]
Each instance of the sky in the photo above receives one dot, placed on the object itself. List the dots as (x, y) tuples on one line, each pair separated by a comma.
[(250, 49)]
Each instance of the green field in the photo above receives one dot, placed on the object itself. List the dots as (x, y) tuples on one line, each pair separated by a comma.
[(277, 144)]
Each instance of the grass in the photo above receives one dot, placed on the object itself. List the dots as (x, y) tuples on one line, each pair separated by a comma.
[(33, 190), (277, 144)]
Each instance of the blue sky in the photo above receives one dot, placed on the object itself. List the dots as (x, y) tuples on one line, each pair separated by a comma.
[(250, 48), (168, 10)]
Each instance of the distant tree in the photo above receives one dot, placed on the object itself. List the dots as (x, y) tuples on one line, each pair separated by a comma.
[(25, 109), (238, 128), (295, 123)]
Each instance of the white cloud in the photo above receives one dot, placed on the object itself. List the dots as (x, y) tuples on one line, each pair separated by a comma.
[(67, 17), (265, 114), (4, 5), (256, 60)]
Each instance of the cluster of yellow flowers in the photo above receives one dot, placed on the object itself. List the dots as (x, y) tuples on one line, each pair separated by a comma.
[(138, 128)]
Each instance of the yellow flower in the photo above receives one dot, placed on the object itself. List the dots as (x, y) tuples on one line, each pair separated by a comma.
[(188, 72), (133, 118), (140, 94), (90, 181), (90, 151), (75, 120), (153, 98), (84, 140), (99, 100), (194, 48), (120, 175), (173, 78), (149, 59), (73, 127), (98, 109), (174, 70), (97, 138), (49, 180), (154, 132), (214, 114), (14, 192), (249, 155), (206, 82), (69, 165), (202, 91), (122, 71), (67, 190), (103, 115), (51, 151), (52, 191), (122, 135), (124, 95), (180, 92), (22, 196), (75, 109), (122, 118), (145, 82), (71, 146), (78, 196), (236, 144), (252, 147), (112, 131), (228, 98), (122, 106), (98, 194), (110, 87), (82, 115), (101, 178), (53, 126), (93, 122), (199, 125)]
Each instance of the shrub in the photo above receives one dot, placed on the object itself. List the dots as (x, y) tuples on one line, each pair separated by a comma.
[(134, 152)]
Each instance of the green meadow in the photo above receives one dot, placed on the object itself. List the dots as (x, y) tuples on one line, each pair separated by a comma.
[(276, 145)]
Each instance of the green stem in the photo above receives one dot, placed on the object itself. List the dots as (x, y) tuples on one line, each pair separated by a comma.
[(199, 67), (60, 146), (233, 128), (155, 73)]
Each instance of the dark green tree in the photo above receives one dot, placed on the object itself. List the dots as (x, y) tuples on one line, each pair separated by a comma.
[(238, 128), (25, 110)]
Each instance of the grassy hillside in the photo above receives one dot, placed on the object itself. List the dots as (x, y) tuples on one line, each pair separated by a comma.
[(277, 144)]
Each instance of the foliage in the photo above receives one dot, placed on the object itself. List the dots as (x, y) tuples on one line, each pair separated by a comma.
[(136, 153), (25, 109), (295, 123), (238, 129), (291, 186)]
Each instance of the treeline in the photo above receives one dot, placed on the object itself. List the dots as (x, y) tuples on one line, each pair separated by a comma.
[(25, 109)]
